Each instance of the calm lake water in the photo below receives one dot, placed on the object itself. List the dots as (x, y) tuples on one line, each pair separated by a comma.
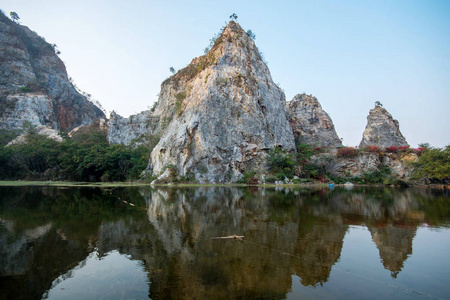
[(305, 243)]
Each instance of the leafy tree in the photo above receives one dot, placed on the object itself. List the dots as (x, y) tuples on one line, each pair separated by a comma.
[(86, 157), (251, 34), (55, 48), (7, 136), (281, 163), (172, 70), (29, 160), (425, 145), (233, 17), (304, 153), (433, 163), (14, 16)]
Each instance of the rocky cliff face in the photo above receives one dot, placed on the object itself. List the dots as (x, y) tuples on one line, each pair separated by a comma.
[(220, 114), (382, 130), (310, 123), (135, 129), (34, 85)]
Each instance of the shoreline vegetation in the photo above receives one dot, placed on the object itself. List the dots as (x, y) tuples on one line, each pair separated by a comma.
[(88, 159), (188, 185)]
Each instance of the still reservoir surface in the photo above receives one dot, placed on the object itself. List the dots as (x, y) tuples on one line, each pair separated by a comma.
[(155, 243)]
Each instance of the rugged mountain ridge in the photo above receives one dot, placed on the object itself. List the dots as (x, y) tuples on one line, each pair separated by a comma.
[(34, 85), (310, 123), (214, 120), (382, 130), (221, 114)]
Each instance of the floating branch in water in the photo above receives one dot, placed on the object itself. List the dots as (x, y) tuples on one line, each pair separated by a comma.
[(237, 237)]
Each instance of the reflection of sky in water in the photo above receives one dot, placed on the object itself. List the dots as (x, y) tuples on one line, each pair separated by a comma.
[(113, 276), (359, 272), (299, 243)]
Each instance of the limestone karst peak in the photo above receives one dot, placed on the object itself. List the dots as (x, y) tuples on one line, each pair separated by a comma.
[(34, 85), (310, 123), (382, 130), (221, 113), (232, 26), (232, 46)]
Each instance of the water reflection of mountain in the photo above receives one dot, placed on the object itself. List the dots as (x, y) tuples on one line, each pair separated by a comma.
[(32, 259), (287, 232)]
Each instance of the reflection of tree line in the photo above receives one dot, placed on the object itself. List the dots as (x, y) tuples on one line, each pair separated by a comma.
[(286, 232), (47, 231)]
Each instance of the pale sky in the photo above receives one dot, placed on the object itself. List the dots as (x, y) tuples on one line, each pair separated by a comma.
[(348, 54)]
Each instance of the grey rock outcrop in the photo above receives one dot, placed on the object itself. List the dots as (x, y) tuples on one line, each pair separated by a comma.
[(42, 130), (222, 113), (399, 164), (34, 85), (382, 130), (310, 123), (134, 129)]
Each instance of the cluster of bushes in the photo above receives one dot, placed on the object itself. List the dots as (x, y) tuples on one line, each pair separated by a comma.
[(297, 166), (433, 165), (404, 149), (308, 164), (85, 158), (382, 176), (349, 152)]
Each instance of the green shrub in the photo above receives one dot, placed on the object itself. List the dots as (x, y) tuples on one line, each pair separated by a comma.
[(280, 176), (188, 177), (270, 179), (7, 136), (304, 153), (24, 89), (391, 180), (280, 161), (374, 177), (248, 178), (179, 102), (433, 163)]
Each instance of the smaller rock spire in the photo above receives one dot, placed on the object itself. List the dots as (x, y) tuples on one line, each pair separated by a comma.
[(310, 123), (382, 130)]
